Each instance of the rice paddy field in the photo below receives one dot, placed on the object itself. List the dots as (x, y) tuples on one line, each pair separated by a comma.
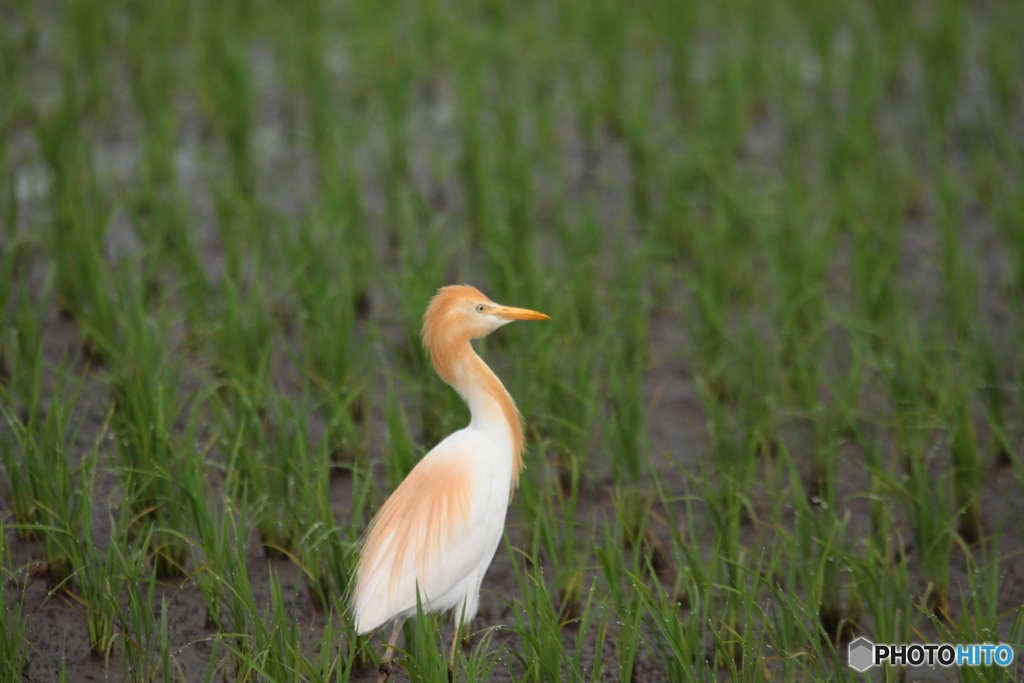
[(779, 403)]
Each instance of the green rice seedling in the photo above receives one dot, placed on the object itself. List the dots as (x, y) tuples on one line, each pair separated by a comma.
[(325, 558), (157, 208), (709, 327), (872, 447), (329, 551), (572, 554), (580, 243), (283, 456), (890, 604), (259, 466), (286, 459), (628, 639), (626, 425), (38, 460), (227, 90), (531, 498), (469, 68), (244, 428), (237, 613), (729, 570), (801, 646), (403, 454), (544, 656), (1006, 211), (981, 618), (12, 72), (892, 20), (963, 445), (14, 644), (958, 275), (341, 561), (677, 645), (320, 547), (818, 538), (279, 647), (360, 652), (242, 335), (7, 280), (941, 47), (1002, 59), (99, 581), (722, 274), (571, 408), (305, 41), (744, 649), (733, 449), (211, 521), (694, 579), (672, 232), (394, 86), (422, 268), (326, 662), (86, 34), (612, 560), (853, 135), (480, 662), (759, 391), (677, 24), (82, 214), (326, 285), (982, 615), (821, 22), (875, 233), (145, 647), (908, 370), (555, 532), (932, 520), (627, 545), (146, 409), (16, 485), (426, 659), (149, 40), (626, 428), (993, 396), (606, 34), (799, 253), (22, 350), (508, 237)]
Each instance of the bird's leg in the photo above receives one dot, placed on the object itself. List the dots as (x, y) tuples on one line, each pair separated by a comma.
[(385, 664)]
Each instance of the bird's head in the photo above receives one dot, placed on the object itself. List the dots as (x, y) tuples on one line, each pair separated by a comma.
[(460, 312)]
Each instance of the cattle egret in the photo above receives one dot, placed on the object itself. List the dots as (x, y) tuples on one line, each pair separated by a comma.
[(438, 532)]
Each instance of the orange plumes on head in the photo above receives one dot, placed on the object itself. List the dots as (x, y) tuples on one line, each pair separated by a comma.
[(448, 326)]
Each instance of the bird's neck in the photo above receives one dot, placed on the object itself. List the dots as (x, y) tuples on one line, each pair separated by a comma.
[(490, 404)]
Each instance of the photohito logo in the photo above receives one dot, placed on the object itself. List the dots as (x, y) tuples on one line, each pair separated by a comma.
[(864, 654)]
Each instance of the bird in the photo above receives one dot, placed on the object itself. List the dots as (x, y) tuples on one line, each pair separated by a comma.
[(435, 536)]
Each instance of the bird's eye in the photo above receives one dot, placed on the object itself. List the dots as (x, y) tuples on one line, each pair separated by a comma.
[(480, 308)]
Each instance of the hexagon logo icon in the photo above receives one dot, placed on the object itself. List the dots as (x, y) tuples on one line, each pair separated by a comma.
[(862, 654)]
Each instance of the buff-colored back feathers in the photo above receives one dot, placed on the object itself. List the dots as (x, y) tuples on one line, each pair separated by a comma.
[(411, 521)]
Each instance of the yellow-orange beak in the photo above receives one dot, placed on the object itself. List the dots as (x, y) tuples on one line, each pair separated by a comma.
[(509, 313)]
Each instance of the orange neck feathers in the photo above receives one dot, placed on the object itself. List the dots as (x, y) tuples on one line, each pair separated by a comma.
[(458, 364)]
